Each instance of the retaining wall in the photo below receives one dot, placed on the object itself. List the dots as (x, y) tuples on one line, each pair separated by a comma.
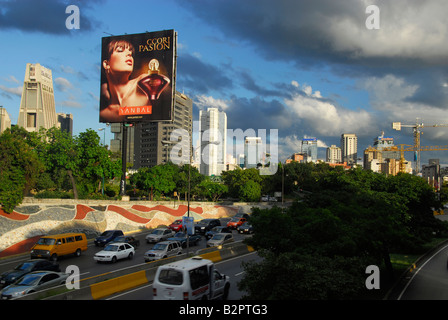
[(20, 229)]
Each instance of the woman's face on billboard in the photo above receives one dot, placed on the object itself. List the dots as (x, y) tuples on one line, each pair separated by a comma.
[(121, 60)]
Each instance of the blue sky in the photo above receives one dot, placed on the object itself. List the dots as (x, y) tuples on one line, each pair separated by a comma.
[(305, 68)]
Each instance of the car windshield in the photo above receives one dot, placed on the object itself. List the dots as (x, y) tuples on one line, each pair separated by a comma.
[(246, 225), (29, 280), (111, 247), (159, 246), (24, 266), (180, 235), (46, 241), (177, 222), (120, 239), (157, 232), (106, 233), (235, 219), (218, 236)]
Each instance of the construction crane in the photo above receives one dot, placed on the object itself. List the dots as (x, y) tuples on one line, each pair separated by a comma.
[(416, 129)]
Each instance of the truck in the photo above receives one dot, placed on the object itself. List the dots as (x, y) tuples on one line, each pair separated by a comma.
[(190, 279)]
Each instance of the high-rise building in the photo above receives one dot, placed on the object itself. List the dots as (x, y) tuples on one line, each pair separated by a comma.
[(309, 147), (252, 152), (349, 148), (150, 143), (65, 122), (213, 140), (37, 106), (5, 120), (334, 154)]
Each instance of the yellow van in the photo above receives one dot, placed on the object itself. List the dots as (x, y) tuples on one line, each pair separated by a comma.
[(54, 246)]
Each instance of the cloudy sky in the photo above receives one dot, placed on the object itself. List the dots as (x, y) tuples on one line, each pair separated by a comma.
[(305, 68)]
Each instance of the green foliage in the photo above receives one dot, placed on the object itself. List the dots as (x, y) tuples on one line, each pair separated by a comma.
[(211, 190), (250, 191), (19, 168), (319, 248)]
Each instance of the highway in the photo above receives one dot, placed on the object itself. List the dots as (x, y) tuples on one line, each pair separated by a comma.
[(429, 281), (88, 267)]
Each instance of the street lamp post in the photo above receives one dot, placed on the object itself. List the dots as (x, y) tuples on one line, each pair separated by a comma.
[(104, 144)]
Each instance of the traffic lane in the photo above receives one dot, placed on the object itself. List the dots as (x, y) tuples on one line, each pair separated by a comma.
[(230, 267), (88, 267), (430, 280)]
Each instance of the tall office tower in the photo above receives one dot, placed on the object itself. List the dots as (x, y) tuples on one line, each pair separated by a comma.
[(213, 139), (334, 154), (37, 106), (65, 122), (5, 120), (309, 147), (153, 143), (349, 148), (253, 149)]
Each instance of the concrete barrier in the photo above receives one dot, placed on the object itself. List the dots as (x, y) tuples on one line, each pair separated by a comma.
[(109, 287)]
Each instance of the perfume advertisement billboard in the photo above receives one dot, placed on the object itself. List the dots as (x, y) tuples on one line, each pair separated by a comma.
[(138, 77)]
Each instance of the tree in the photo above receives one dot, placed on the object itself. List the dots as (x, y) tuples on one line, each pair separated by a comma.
[(94, 162), (19, 169), (158, 180), (211, 190), (250, 191), (61, 154)]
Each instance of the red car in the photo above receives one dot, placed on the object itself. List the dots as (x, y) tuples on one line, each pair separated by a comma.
[(176, 226), (235, 222)]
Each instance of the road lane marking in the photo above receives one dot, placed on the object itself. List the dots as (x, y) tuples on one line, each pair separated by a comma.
[(419, 268)]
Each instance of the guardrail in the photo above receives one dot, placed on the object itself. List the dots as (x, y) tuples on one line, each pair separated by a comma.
[(104, 285)]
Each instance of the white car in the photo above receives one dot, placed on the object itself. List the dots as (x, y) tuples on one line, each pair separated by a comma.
[(115, 251), (159, 234)]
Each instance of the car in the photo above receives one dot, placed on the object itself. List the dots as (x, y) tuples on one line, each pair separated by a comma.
[(162, 250), (8, 277), (107, 236), (115, 251), (127, 239), (218, 229), (235, 222), (182, 238), (246, 227), (54, 246), (265, 198), (219, 239), (205, 225), (159, 234), (242, 215), (176, 225), (32, 282), (273, 199)]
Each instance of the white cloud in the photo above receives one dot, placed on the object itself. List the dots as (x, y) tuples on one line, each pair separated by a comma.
[(325, 118), (15, 91), (204, 102), (63, 84)]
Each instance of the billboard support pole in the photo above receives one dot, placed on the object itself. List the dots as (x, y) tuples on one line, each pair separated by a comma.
[(123, 160)]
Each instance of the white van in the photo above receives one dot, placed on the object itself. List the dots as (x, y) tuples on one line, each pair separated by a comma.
[(191, 279)]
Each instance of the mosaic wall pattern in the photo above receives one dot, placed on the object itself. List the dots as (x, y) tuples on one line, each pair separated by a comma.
[(20, 229)]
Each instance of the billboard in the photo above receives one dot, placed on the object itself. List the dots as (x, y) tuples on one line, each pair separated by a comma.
[(138, 77)]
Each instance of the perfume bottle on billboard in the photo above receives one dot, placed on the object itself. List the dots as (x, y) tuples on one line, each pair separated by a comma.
[(154, 83)]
